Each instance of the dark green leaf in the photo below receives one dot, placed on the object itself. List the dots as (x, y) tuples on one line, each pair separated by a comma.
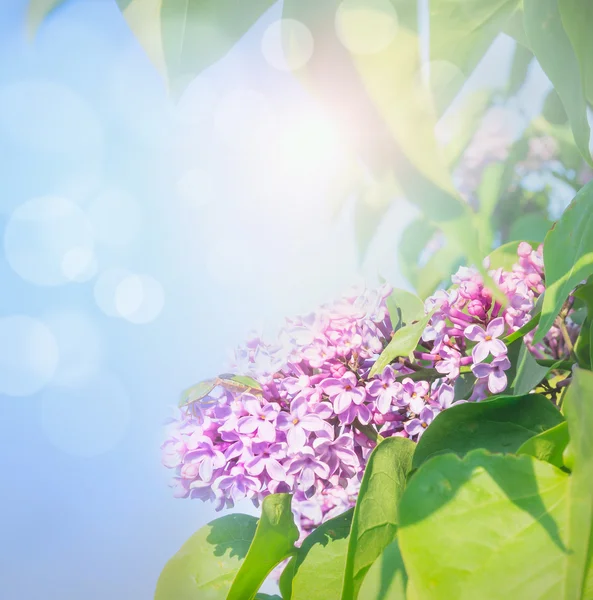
[(525, 374), (568, 256), (505, 256), (485, 526), (555, 53), (578, 408), (374, 524), (285, 582), (402, 343), (502, 424), (520, 66), (262, 596), (320, 561), (387, 578), (548, 446), (464, 386), (273, 542), (208, 562), (584, 342)]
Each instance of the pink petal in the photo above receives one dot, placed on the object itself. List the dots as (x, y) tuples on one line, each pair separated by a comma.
[(342, 402), (480, 352), (497, 347), (266, 431), (497, 381), (496, 327), (474, 333), (312, 423), (296, 438), (248, 424), (482, 370), (364, 414), (275, 470)]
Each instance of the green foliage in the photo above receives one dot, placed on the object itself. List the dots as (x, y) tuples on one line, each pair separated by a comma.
[(502, 424), (548, 446), (320, 561), (37, 12), (485, 526), (404, 307), (387, 578), (553, 49), (525, 373), (374, 524), (274, 541), (568, 256), (402, 343), (208, 562)]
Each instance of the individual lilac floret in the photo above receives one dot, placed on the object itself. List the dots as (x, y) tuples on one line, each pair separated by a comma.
[(488, 342), (346, 397), (385, 389), (297, 424), (260, 418), (416, 426), (494, 373)]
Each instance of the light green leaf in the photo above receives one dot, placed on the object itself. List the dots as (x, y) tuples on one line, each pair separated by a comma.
[(522, 58), (568, 256), (37, 12), (577, 16), (489, 192), (502, 424), (553, 110), (387, 578), (402, 343), (320, 561), (525, 373), (196, 393), (404, 307), (461, 32), (208, 562), (485, 526), (285, 581), (274, 541), (578, 409), (582, 348), (533, 226), (548, 446), (374, 524), (555, 53)]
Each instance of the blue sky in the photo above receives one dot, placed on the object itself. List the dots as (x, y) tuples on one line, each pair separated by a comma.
[(142, 240)]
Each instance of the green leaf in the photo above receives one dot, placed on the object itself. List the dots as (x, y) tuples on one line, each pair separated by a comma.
[(374, 524), (285, 582), (578, 409), (548, 446), (245, 381), (402, 343), (197, 393), (555, 53), (387, 578), (461, 32), (320, 561), (488, 194), (274, 541), (533, 226), (519, 67), (502, 424), (404, 307), (553, 110), (582, 348), (207, 563), (37, 12), (577, 16), (568, 256), (262, 596), (183, 37), (464, 386), (485, 526), (525, 373)]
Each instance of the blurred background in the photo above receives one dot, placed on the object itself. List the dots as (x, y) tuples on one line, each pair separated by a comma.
[(144, 236)]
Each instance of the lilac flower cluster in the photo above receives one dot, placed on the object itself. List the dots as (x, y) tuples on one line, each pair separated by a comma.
[(311, 423)]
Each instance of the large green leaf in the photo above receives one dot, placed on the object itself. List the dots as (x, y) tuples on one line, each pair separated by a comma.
[(320, 561), (502, 424), (548, 446), (285, 581), (488, 194), (522, 58), (555, 53), (533, 226), (274, 541), (183, 37), (208, 562), (583, 347), (374, 524), (37, 11), (568, 256), (461, 32), (403, 342), (505, 256), (485, 526), (577, 16), (578, 408), (387, 578)]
